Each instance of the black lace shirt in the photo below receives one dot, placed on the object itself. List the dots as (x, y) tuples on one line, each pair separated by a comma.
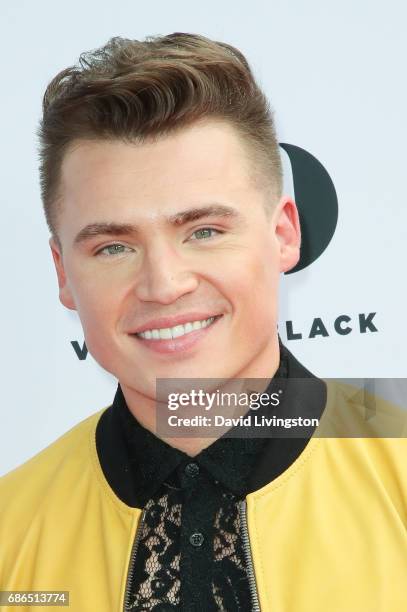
[(190, 554)]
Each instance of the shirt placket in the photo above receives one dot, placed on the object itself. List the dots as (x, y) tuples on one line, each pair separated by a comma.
[(196, 538)]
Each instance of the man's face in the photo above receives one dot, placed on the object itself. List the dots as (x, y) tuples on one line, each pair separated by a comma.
[(164, 235)]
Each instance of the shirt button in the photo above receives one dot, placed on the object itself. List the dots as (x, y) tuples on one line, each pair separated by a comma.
[(192, 469), (196, 539)]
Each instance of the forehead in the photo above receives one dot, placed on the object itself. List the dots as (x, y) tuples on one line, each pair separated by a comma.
[(208, 157)]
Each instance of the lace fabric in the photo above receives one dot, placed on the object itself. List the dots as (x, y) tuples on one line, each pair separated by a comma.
[(157, 584), (157, 569)]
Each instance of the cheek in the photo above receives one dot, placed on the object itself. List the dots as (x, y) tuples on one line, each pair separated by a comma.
[(254, 291), (96, 293), (98, 307), (98, 315), (253, 308), (254, 273)]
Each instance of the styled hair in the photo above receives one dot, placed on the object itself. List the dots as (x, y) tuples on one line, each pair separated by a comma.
[(136, 91)]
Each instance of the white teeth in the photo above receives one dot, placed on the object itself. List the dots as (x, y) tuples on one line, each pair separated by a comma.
[(174, 332), (177, 331), (165, 333)]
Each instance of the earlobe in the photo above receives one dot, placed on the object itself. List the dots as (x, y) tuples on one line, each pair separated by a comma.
[(65, 295), (288, 233)]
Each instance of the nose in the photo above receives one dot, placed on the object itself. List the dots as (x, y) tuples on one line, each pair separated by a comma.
[(165, 276)]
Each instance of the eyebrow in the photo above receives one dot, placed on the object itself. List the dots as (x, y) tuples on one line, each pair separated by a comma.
[(178, 219)]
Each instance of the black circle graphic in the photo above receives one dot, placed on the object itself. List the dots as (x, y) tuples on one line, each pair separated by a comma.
[(317, 204)]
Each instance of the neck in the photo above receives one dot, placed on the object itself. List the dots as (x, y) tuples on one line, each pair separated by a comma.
[(146, 409)]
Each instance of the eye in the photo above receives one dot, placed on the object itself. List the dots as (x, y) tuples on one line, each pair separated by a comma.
[(114, 249), (205, 232)]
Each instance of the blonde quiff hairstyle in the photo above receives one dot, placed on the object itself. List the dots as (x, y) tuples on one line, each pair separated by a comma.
[(137, 91)]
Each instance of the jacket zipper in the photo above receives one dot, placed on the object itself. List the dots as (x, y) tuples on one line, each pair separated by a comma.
[(249, 559), (132, 560)]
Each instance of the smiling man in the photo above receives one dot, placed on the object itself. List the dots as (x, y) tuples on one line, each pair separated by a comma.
[(162, 187)]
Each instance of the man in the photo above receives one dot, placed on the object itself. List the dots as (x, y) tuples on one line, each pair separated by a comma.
[(162, 188)]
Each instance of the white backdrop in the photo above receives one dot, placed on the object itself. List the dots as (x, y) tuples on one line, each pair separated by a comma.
[(335, 74)]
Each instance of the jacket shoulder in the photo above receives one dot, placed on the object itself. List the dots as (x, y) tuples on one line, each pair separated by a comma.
[(63, 460)]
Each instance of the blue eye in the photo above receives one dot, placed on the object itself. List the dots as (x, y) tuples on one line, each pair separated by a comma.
[(205, 232), (113, 249)]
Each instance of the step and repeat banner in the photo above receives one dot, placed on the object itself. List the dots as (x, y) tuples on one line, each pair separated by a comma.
[(334, 74)]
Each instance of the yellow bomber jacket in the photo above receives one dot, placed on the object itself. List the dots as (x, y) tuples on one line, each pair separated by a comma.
[(328, 534)]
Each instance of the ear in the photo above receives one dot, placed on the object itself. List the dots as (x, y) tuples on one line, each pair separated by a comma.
[(288, 233), (65, 295)]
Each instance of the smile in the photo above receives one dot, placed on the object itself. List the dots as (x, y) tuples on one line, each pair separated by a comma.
[(167, 333)]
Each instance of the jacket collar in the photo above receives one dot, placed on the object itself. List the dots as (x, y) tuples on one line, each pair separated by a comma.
[(117, 456)]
